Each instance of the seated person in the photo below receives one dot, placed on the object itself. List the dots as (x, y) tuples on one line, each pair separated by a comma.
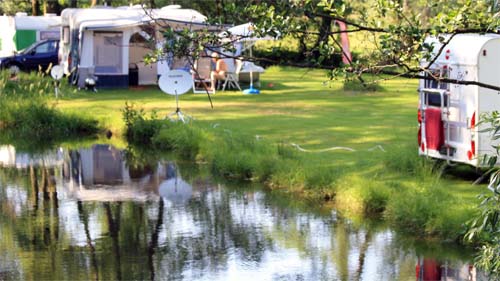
[(219, 73)]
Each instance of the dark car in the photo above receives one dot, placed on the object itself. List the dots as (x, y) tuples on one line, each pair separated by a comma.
[(40, 54)]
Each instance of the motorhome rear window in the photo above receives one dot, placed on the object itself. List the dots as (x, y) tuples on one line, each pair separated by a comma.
[(431, 83), (434, 99)]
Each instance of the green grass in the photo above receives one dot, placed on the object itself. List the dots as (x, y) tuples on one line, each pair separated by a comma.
[(300, 106)]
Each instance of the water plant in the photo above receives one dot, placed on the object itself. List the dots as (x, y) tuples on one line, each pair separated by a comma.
[(484, 228)]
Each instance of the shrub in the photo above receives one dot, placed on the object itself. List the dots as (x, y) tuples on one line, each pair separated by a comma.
[(139, 129), (279, 56), (358, 86)]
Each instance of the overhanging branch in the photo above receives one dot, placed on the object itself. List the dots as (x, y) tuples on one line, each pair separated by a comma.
[(443, 80)]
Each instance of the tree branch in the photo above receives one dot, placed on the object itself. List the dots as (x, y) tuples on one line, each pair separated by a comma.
[(443, 80)]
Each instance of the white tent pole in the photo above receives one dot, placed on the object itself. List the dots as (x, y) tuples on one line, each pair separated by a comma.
[(251, 71)]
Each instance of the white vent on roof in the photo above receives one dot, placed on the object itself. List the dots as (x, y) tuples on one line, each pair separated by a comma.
[(21, 14), (171, 7)]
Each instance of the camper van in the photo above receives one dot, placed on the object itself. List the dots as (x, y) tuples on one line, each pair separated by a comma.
[(449, 114), (109, 44), (21, 31)]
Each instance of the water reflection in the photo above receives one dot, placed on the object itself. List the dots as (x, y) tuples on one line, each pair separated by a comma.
[(93, 215), (100, 173), (432, 269), (11, 158)]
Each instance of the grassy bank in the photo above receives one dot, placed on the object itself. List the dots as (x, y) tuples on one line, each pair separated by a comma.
[(28, 112), (407, 192), (255, 137)]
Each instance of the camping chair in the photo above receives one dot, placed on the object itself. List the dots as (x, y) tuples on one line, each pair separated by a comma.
[(233, 71), (201, 76)]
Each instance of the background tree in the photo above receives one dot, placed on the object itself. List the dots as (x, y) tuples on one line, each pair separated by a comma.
[(10, 7), (35, 7), (393, 33)]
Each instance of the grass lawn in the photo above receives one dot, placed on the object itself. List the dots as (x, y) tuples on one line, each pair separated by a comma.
[(300, 106)]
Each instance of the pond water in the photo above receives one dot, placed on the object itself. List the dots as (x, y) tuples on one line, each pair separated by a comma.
[(99, 214)]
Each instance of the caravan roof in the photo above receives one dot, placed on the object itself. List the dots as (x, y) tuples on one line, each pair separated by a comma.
[(126, 16), (463, 48), (37, 22)]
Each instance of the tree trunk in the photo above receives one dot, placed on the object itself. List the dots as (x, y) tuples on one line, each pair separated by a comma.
[(35, 8), (73, 3), (302, 47), (34, 186), (93, 3), (218, 8), (324, 32), (52, 7), (152, 4)]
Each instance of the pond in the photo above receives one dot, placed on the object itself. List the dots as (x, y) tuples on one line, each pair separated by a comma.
[(96, 214)]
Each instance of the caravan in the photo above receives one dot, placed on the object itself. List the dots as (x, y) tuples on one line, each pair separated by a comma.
[(21, 31), (449, 114), (109, 44)]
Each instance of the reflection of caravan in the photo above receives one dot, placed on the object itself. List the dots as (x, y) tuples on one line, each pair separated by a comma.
[(104, 164), (428, 269), (98, 165), (9, 157), (100, 173), (449, 113), (110, 43), (21, 31)]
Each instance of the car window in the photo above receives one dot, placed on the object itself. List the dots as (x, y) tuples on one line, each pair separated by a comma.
[(47, 47)]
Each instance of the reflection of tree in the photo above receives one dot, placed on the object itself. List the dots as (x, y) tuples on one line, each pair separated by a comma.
[(140, 161), (45, 230), (220, 231), (362, 254), (131, 247), (341, 250), (84, 218), (34, 186), (36, 227), (154, 238), (114, 230), (162, 240)]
